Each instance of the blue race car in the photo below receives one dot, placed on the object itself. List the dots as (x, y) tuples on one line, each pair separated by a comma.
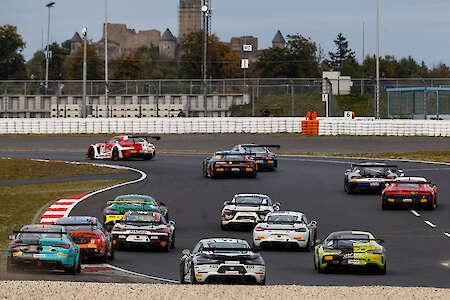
[(43, 246)]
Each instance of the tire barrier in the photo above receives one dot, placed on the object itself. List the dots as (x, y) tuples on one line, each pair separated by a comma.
[(325, 126)]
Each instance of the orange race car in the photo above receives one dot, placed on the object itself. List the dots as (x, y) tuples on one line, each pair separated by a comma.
[(89, 234)]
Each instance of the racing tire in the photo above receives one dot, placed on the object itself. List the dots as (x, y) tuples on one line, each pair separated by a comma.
[(111, 253), (91, 154), (148, 157), (253, 175), (347, 188), (307, 248), (384, 206), (263, 282), (79, 267), (72, 270), (182, 281), (319, 268), (383, 270), (205, 173), (10, 267), (223, 227), (115, 155), (172, 244), (166, 248)]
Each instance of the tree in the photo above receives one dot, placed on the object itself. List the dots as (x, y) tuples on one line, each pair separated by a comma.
[(128, 67), (343, 52), (36, 65), (12, 63), (74, 64), (298, 59), (222, 61)]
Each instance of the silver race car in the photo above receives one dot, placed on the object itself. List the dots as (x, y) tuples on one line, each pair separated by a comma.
[(222, 259), (370, 176), (286, 228), (246, 210), (147, 228)]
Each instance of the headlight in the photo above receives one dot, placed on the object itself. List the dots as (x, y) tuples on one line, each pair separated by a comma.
[(203, 260), (254, 260)]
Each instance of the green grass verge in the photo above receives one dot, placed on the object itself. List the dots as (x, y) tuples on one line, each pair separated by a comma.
[(20, 203), (18, 169)]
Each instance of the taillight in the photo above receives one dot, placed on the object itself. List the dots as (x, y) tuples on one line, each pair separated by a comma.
[(249, 163), (227, 211), (263, 157), (269, 156), (17, 245), (65, 246), (220, 163), (375, 251), (162, 230), (259, 229), (93, 236)]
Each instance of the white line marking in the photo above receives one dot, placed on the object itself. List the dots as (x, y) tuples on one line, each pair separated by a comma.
[(142, 275), (415, 213), (447, 234), (430, 224)]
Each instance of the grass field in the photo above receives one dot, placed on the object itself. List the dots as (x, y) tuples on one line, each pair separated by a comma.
[(16, 169)]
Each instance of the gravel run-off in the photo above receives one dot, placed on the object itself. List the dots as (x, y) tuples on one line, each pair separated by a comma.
[(78, 290)]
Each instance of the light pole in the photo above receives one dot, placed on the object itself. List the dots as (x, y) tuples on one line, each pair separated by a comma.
[(83, 104), (106, 59), (377, 113), (205, 11), (49, 5)]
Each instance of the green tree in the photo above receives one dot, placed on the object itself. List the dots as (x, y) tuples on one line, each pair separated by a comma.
[(343, 52), (36, 65), (128, 67), (298, 59), (222, 61), (95, 65), (12, 63)]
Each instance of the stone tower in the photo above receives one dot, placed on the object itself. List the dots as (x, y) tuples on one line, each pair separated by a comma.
[(278, 40), (190, 17), (167, 44)]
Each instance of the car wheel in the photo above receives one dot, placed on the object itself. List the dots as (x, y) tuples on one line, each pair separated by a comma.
[(253, 175), (320, 269), (172, 244), (384, 206), (166, 248), (205, 174), (148, 157), (115, 155), (307, 248), (182, 281), (383, 270), (79, 267), (10, 267), (347, 188), (112, 253), (72, 270), (263, 282), (223, 227), (91, 154)]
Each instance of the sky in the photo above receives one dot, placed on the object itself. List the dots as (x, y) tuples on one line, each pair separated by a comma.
[(407, 27)]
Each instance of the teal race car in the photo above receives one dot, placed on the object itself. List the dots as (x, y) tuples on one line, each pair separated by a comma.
[(115, 209), (43, 246), (350, 250)]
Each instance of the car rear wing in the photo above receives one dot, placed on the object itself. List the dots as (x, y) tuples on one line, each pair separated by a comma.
[(356, 239), (283, 222), (145, 137), (76, 224), (230, 249), (259, 145), (373, 166), (234, 153)]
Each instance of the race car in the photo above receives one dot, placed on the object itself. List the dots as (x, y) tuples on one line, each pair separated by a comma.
[(147, 228), (89, 234), (246, 210), (409, 192), (123, 147), (120, 205), (350, 250), (224, 163), (43, 246), (222, 259), (370, 176), (285, 228), (264, 158)]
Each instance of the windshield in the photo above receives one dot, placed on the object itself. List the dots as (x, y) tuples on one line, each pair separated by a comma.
[(409, 185), (145, 218), (250, 200), (255, 149), (137, 199), (228, 245), (349, 236), (132, 205), (282, 218), (79, 227)]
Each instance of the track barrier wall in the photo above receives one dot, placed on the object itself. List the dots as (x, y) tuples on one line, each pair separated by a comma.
[(325, 126)]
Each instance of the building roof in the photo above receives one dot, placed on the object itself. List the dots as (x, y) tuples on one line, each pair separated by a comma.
[(278, 38), (76, 38), (168, 36)]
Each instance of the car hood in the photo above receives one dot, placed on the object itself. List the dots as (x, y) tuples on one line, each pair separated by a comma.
[(248, 208)]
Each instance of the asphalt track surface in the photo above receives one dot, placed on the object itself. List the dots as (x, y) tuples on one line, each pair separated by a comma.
[(417, 253)]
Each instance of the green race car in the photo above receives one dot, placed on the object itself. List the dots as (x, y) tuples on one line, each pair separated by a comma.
[(350, 250), (115, 209)]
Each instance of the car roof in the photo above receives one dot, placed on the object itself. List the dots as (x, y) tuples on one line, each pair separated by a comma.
[(77, 220), (411, 179), (147, 197), (251, 195), (38, 227), (286, 213)]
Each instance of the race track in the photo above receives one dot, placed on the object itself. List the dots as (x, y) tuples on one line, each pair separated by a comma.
[(417, 253)]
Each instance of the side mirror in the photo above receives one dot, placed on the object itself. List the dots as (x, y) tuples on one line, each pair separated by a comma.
[(162, 203), (172, 223), (276, 206), (348, 170), (186, 252), (400, 171), (12, 237), (318, 242), (313, 223), (226, 203)]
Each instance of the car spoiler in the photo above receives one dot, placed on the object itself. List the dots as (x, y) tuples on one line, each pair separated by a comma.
[(146, 137), (259, 145), (374, 165), (49, 232), (75, 224), (283, 222), (137, 202), (416, 182), (357, 239), (230, 249), (234, 153)]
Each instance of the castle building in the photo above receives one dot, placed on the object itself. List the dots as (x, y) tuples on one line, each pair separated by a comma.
[(278, 40), (190, 17), (246, 46), (167, 44)]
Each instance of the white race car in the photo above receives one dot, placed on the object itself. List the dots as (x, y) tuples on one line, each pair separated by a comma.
[(144, 228), (123, 147), (246, 209), (285, 228), (219, 259)]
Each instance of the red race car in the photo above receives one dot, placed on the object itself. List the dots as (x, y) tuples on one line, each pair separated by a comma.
[(123, 147), (409, 192)]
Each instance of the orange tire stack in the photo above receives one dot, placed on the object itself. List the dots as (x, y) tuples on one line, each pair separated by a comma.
[(310, 127)]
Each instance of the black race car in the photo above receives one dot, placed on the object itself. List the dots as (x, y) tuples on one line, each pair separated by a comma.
[(264, 158), (222, 164)]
